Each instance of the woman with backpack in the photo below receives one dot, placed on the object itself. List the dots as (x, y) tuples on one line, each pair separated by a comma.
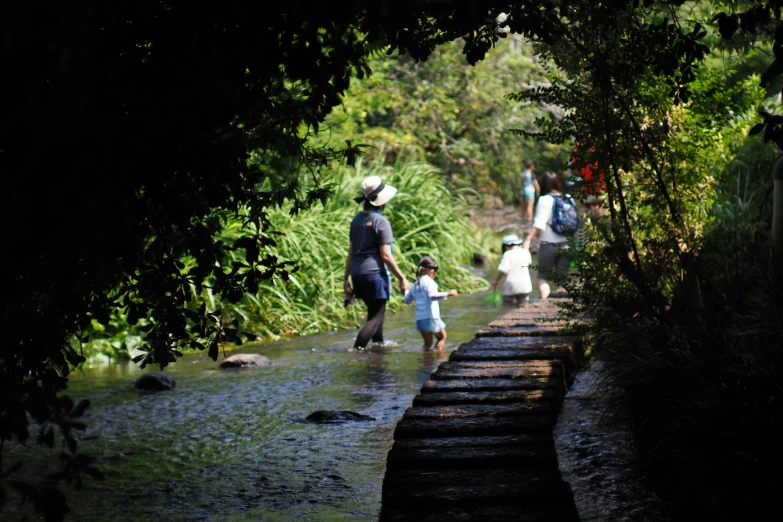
[(556, 218)]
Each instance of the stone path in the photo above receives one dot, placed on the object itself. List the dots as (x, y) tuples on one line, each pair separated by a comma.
[(477, 442)]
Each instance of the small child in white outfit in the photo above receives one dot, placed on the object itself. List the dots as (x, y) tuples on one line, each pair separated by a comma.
[(426, 296), (515, 266)]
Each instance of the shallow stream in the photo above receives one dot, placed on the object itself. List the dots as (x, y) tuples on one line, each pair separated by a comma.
[(232, 445)]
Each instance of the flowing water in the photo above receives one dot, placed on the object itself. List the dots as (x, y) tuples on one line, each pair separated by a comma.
[(596, 457), (232, 445)]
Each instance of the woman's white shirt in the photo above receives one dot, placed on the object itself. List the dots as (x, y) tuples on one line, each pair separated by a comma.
[(425, 292), (515, 263), (543, 221)]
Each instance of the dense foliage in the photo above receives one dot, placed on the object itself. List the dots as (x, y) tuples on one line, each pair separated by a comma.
[(426, 217), (453, 116), (125, 137), (127, 131), (676, 282)]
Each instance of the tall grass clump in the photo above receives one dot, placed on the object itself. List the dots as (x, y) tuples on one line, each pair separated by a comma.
[(427, 219)]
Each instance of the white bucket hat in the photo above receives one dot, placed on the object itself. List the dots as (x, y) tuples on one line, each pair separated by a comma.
[(512, 239), (376, 191)]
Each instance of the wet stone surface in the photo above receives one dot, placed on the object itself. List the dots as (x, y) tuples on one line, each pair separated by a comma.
[(245, 360), (527, 512), (503, 408), (510, 354), (419, 428), (473, 486), (497, 373), (516, 343), (155, 381), (337, 416), (532, 383), (497, 397)]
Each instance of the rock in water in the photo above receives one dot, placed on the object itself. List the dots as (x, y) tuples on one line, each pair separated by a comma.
[(337, 416), (245, 360), (155, 381)]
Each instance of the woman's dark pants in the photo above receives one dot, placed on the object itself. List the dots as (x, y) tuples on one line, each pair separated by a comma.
[(373, 328)]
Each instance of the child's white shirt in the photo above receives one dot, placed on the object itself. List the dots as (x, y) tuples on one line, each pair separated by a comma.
[(515, 263), (424, 292)]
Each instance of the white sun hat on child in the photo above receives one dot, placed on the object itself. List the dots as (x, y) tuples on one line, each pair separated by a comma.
[(376, 191), (512, 239)]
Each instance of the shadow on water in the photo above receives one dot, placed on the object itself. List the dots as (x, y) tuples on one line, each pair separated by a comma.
[(596, 458), (233, 444)]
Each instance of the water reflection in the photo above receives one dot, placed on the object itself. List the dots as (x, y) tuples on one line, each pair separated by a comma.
[(232, 445)]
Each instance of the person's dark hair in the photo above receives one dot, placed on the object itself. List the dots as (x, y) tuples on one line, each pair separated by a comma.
[(550, 182), (529, 164), (425, 264), (369, 206)]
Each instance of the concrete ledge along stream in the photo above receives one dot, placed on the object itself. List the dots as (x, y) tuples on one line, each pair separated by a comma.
[(477, 442)]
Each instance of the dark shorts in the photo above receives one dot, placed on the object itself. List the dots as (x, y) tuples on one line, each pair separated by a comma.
[(372, 287), (516, 298), (552, 258)]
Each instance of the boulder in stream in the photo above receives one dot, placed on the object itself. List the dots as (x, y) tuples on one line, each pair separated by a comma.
[(337, 416), (245, 360), (155, 381)]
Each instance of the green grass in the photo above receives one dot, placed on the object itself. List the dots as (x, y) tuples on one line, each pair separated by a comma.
[(427, 219)]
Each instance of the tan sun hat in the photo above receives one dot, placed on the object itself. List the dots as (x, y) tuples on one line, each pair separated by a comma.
[(376, 191)]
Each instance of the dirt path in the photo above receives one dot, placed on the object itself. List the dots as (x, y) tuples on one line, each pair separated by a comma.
[(504, 219)]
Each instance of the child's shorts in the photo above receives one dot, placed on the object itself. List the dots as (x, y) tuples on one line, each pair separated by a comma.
[(430, 325)]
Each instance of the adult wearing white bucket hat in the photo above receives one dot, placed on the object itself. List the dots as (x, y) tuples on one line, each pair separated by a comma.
[(369, 257)]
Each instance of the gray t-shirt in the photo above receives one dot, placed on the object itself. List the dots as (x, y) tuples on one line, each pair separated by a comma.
[(369, 230)]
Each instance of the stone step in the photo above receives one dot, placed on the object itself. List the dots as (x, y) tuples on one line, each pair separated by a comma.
[(467, 442), (510, 455), (534, 364), (466, 411), (406, 488), (473, 359), (511, 354), (530, 512), (531, 383), (498, 373), (551, 311), (511, 331), (477, 442), (520, 343), (483, 397), (464, 427), (522, 340)]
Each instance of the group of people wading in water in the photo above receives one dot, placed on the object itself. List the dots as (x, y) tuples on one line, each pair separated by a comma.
[(370, 264)]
